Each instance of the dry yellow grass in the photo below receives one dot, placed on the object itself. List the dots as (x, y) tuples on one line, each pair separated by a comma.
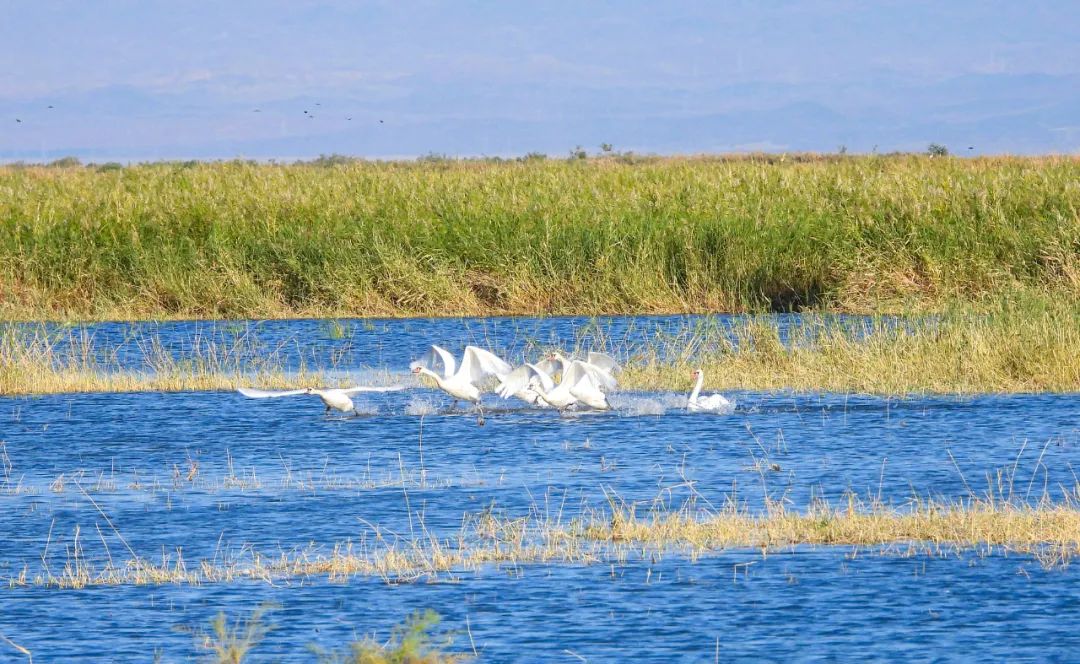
[(1025, 346), (1049, 531)]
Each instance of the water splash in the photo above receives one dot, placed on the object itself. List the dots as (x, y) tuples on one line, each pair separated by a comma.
[(366, 408), (636, 405), (421, 406)]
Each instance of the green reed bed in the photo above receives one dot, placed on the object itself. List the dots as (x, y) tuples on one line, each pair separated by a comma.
[(238, 239)]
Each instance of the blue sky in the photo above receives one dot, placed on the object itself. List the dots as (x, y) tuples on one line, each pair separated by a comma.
[(165, 80)]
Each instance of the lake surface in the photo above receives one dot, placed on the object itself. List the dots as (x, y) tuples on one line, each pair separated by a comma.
[(275, 476), (360, 344)]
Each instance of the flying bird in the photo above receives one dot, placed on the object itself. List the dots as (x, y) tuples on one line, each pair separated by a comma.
[(337, 399)]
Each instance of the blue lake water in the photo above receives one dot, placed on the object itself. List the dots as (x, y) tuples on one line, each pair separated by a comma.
[(352, 344), (276, 475)]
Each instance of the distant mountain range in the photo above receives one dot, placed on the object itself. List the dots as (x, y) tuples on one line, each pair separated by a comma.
[(991, 113)]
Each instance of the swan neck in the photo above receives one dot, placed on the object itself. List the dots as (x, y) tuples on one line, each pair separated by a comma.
[(428, 372), (697, 386)]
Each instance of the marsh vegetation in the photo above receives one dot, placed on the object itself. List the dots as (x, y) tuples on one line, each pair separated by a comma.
[(869, 234)]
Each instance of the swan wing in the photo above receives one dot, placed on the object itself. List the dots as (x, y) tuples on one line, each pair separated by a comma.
[(604, 361), (516, 381), (439, 360), (370, 388), (716, 402), (573, 373), (252, 393), (547, 383), (549, 366), (600, 377), (587, 391), (477, 364)]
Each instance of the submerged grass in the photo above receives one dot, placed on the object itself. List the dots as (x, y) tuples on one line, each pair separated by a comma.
[(1026, 345), (1047, 530), (238, 239)]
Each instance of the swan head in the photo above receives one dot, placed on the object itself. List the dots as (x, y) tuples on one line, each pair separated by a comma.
[(416, 370), (695, 373), (309, 390)]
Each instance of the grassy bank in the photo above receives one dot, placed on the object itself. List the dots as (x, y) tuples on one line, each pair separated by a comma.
[(860, 234), (1009, 347)]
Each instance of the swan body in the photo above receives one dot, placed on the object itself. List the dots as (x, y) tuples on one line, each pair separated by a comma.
[(461, 382), (713, 403), (332, 398), (580, 383)]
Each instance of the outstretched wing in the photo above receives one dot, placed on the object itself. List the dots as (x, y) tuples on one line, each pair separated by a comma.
[(587, 391), (546, 381), (604, 361), (252, 393), (478, 364), (439, 360), (578, 369), (520, 378), (549, 366), (368, 388)]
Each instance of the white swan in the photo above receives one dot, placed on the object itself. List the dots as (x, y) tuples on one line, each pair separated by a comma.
[(462, 382), (579, 384), (518, 384), (713, 403), (601, 367), (332, 398)]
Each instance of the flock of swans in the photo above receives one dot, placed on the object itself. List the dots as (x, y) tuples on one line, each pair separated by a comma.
[(555, 382)]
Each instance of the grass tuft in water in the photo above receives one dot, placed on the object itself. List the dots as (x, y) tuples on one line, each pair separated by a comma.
[(1047, 530), (412, 642)]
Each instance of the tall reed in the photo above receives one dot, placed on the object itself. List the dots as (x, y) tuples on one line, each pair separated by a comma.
[(238, 239)]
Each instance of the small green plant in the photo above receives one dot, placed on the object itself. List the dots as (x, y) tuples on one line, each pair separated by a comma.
[(412, 642), (335, 329), (110, 166)]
